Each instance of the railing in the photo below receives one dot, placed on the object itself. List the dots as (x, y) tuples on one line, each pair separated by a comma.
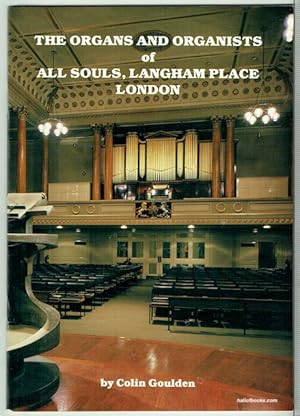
[(199, 210)]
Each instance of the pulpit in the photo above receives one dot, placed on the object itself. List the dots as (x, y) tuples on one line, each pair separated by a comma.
[(33, 326)]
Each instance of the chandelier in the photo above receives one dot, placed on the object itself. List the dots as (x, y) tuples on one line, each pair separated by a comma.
[(52, 125), (262, 111), (265, 112), (288, 33)]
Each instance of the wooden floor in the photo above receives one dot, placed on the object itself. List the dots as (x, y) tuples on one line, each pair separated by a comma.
[(224, 380)]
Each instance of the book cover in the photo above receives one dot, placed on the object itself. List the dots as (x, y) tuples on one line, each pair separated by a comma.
[(150, 208)]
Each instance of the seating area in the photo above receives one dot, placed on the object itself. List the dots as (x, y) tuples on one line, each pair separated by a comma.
[(227, 297), (75, 289)]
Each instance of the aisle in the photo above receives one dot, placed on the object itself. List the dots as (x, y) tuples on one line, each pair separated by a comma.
[(126, 315)]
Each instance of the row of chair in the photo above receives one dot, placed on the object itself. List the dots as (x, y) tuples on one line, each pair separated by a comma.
[(222, 291), (236, 277), (81, 292), (235, 287), (267, 314)]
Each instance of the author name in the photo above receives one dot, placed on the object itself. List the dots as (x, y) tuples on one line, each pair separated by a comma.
[(152, 382)]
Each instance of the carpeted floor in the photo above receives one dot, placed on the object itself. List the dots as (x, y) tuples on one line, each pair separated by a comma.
[(126, 315)]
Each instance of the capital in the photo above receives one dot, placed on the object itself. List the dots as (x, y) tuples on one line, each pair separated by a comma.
[(216, 122), (96, 128), (108, 128), (22, 112), (230, 121)]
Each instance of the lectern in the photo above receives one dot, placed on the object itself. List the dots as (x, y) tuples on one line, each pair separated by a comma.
[(33, 326)]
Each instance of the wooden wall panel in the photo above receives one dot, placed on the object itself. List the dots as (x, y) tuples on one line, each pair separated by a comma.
[(69, 191), (263, 187)]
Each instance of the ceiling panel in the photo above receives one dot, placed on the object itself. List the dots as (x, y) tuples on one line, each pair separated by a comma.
[(31, 20), (254, 58), (75, 19), (63, 57), (267, 19), (25, 57)]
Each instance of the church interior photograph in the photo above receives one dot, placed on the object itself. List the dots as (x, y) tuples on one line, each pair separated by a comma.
[(150, 208)]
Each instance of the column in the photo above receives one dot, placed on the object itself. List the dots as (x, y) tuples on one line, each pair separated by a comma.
[(45, 165), (21, 158), (96, 178), (229, 158), (216, 168), (108, 161)]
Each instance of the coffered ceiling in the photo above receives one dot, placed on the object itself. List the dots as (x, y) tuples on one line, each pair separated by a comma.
[(81, 102)]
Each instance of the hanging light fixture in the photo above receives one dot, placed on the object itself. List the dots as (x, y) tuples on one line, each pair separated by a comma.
[(262, 111), (52, 125), (288, 33)]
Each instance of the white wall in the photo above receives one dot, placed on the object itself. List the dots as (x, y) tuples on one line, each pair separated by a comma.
[(223, 246), (219, 249), (67, 251)]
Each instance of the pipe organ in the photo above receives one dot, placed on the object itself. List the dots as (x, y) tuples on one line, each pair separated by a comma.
[(191, 155), (132, 146), (205, 161), (142, 160), (165, 159), (161, 159), (180, 158), (156, 157), (119, 164)]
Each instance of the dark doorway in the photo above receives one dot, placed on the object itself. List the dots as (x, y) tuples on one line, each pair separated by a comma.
[(266, 255)]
